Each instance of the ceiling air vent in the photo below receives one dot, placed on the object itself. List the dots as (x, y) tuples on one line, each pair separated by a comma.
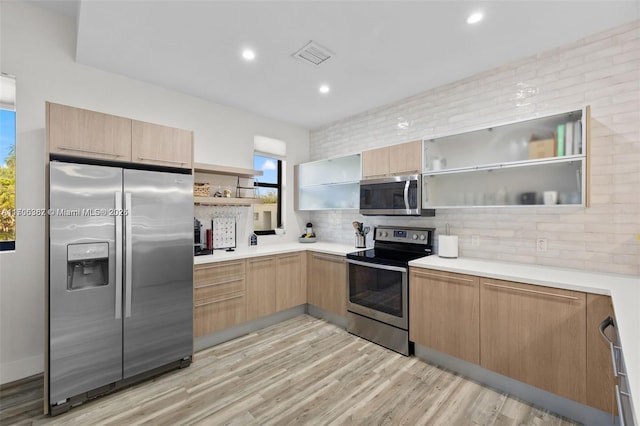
[(313, 53)]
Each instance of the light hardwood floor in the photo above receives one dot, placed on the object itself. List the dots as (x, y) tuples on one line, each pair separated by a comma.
[(301, 371)]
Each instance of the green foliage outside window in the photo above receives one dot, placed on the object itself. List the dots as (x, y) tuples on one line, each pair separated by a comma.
[(8, 197)]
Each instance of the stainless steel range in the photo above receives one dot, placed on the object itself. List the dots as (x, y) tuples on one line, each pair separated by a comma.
[(378, 305)]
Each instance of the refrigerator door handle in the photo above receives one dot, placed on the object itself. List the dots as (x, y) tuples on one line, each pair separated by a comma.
[(128, 253), (118, 219)]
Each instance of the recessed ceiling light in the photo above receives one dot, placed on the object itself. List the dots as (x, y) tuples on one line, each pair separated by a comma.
[(474, 18), (248, 54), (324, 89)]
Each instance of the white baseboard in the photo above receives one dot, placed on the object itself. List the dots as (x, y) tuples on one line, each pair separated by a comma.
[(20, 369)]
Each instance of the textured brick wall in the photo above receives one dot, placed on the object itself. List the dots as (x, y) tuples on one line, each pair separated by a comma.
[(603, 71)]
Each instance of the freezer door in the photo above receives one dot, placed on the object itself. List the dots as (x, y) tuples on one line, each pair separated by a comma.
[(158, 312), (85, 325)]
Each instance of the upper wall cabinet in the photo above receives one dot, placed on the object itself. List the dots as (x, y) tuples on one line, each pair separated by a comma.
[(89, 134), (394, 160), (161, 145), (328, 184), (83, 133), (544, 161)]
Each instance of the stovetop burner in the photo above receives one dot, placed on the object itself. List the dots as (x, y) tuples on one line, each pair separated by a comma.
[(397, 246)]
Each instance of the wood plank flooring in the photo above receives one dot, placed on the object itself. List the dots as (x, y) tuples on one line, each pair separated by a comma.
[(301, 371)]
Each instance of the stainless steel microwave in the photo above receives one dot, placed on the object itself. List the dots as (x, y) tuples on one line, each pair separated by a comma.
[(393, 196)]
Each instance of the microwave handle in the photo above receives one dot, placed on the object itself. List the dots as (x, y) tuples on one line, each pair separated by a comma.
[(406, 195)]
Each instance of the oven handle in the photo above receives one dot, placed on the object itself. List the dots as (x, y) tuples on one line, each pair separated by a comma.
[(378, 266)]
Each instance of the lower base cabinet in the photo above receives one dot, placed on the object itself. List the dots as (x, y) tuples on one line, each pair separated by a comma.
[(275, 283), (327, 282), (444, 312), (219, 296), (546, 337), (216, 315), (536, 335), (230, 293), (291, 280), (261, 287)]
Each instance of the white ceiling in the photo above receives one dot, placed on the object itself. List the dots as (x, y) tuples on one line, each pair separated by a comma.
[(384, 50)]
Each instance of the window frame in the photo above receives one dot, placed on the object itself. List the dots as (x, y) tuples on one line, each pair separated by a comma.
[(10, 245), (278, 187)]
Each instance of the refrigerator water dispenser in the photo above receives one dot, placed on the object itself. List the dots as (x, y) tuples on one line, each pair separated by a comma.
[(87, 265)]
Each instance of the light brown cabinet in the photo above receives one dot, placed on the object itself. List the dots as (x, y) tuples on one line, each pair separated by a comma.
[(82, 133), (444, 312), (261, 287), (375, 163), (219, 296), (405, 159), (161, 145), (230, 293), (291, 280), (327, 282), (535, 334), (394, 160), (601, 382)]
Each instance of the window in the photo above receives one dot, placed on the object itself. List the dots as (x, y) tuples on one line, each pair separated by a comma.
[(7, 163), (268, 215)]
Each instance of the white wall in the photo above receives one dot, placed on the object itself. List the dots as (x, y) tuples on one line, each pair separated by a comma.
[(38, 47), (602, 70)]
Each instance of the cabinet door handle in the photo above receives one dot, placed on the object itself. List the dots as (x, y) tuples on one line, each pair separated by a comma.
[(407, 172), (375, 176), (287, 256), (544, 293), (88, 151), (446, 277), (259, 260), (220, 283), (606, 323), (161, 160), (329, 258), (197, 305), (218, 266)]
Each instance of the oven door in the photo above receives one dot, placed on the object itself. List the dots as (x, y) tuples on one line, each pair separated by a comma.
[(379, 292)]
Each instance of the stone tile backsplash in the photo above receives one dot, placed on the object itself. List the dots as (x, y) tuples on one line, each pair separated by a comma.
[(602, 70)]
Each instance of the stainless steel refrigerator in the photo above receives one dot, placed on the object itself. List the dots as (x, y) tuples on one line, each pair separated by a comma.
[(120, 278)]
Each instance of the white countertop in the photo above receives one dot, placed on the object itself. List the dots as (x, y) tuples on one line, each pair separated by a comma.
[(623, 289), (271, 249)]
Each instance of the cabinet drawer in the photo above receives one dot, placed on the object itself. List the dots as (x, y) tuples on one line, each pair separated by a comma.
[(219, 289), (215, 315), (218, 273)]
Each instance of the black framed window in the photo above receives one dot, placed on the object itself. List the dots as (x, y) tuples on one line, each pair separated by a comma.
[(267, 216)]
